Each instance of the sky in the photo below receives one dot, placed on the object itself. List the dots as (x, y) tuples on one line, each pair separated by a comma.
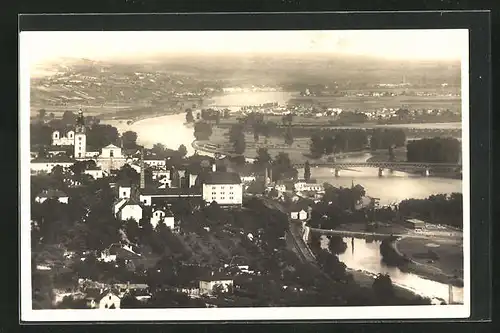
[(44, 46)]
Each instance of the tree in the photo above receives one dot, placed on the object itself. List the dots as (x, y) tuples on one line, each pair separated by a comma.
[(41, 114), (182, 151), (128, 174), (129, 139), (263, 158), (202, 130), (435, 150), (283, 168), (68, 118), (316, 146), (130, 302), (237, 138), (307, 171), (99, 136), (189, 116), (288, 136), (158, 149), (383, 288)]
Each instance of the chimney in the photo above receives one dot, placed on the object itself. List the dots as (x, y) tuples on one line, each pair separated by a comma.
[(214, 167), (143, 180), (271, 174)]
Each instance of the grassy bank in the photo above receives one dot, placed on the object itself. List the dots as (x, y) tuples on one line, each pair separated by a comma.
[(447, 269)]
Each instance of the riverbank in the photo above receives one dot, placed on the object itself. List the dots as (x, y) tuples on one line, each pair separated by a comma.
[(365, 279), (434, 271)]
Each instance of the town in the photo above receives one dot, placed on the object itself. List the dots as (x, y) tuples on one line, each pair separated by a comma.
[(118, 225)]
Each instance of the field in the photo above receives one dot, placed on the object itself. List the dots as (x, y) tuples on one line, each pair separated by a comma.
[(450, 254)]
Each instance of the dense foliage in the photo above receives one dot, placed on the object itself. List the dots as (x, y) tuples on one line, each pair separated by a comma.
[(438, 209), (435, 150)]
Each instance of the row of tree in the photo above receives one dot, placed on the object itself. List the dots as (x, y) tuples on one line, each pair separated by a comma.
[(438, 208), (435, 150), (335, 141), (332, 141)]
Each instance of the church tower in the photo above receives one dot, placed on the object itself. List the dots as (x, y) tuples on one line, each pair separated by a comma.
[(80, 137)]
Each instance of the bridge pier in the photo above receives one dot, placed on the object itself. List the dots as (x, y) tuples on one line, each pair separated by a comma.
[(337, 172), (380, 172), (427, 172), (391, 171)]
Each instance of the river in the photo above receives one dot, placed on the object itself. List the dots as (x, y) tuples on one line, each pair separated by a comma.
[(366, 257)]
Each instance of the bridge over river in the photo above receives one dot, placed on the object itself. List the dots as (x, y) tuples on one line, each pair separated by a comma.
[(392, 166)]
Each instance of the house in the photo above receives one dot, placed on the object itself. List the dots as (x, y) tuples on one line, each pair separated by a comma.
[(124, 190), (298, 215), (164, 215), (60, 138), (130, 209), (108, 300), (215, 281), (247, 179), (162, 196), (300, 211), (52, 194), (308, 186), (56, 150), (415, 224), (153, 161), (94, 172), (225, 188)]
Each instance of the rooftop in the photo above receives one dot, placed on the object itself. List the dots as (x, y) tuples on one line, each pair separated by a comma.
[(111, 146), (170, 191), (56, 159), (52, 194), (216, 276)]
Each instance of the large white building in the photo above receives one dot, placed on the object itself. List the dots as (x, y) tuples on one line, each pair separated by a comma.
[(225, 188)]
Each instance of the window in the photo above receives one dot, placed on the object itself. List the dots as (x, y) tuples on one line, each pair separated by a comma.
[(222, 193), (79, 154), (222, 187), (213, 198), (213, 187), (230, 187), (231, 198), (124, 193), (222, 198), (79, 138), (111, 153), (214, 193)]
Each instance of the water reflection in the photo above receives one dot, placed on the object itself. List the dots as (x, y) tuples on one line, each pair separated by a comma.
[(365, 255)]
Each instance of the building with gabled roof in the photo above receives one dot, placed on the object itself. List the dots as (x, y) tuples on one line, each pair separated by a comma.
[(150, 196), (130, 209), (225, 188)]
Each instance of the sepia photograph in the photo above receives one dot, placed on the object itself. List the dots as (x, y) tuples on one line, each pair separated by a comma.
[(219, 175)]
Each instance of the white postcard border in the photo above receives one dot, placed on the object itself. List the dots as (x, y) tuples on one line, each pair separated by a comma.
[(27, 314)]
